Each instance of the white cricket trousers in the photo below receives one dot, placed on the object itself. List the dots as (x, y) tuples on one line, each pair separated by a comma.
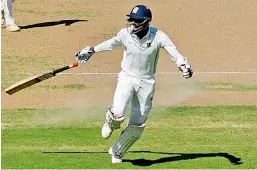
[(6, 6), (139, 92)]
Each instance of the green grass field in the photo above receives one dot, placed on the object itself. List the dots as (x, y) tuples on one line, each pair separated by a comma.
[(175, 137)]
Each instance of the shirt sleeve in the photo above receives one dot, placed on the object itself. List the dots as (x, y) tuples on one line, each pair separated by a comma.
[(171, 49), (113, 43)]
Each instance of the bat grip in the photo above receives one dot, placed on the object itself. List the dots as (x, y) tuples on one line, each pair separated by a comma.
[(60, 69), (65, 68)]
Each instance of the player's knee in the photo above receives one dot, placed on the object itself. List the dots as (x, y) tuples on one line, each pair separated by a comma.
[(113, 121), (135, 131), (137, 120), (145, 110), (117, 112)]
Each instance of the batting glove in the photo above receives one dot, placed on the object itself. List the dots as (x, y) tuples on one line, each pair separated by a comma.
[(186, 70), (84, 55)]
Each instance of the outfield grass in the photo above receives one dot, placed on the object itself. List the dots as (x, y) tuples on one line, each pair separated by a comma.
[(228, 86), (175, 137)]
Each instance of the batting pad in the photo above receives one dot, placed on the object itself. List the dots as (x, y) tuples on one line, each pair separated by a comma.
[(127, 138), (114, 123)]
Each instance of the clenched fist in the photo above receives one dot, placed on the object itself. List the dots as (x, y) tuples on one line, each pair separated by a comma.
[(186, 70)]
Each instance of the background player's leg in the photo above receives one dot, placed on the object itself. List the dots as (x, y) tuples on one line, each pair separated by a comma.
[(7, 7), (8, 15)]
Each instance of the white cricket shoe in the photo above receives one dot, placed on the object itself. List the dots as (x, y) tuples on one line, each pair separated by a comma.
[(106, 131), (13, 28), (114, 160)]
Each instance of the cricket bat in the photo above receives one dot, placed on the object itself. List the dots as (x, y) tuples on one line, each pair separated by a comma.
[(36, 79)]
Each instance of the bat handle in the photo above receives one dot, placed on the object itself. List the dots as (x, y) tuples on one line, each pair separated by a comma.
[(65, 68)]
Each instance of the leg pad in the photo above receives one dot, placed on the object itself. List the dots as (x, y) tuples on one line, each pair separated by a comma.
[(127, 138)]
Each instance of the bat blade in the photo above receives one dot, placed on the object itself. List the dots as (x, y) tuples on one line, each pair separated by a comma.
[(28, 82), (36, 79)]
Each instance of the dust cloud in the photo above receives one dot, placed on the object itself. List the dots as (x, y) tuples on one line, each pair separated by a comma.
[(89, 106), (173, 90)]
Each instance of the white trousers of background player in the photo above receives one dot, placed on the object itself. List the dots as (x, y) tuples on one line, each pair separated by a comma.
[(6, 6), (139, 91)]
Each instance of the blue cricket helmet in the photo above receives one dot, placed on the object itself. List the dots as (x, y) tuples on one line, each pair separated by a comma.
[(140, 12)]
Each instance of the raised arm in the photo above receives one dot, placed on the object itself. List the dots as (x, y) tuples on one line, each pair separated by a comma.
[(108, 45), (85, 54)]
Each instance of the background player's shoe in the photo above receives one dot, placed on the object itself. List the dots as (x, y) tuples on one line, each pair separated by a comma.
[(13, 28)]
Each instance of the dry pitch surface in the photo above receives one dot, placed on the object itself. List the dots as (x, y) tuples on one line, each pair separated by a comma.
[(216, 36)]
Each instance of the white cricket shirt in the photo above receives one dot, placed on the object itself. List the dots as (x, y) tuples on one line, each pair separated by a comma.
[(140, 56)]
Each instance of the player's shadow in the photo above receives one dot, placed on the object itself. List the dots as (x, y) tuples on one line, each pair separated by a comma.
[(179, 157), (175, 157), (52, 23)]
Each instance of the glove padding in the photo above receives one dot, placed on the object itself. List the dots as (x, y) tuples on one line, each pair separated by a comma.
[(84, 55), (186, 70)]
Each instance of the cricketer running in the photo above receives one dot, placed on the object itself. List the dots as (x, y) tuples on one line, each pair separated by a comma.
[(136, 80)]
